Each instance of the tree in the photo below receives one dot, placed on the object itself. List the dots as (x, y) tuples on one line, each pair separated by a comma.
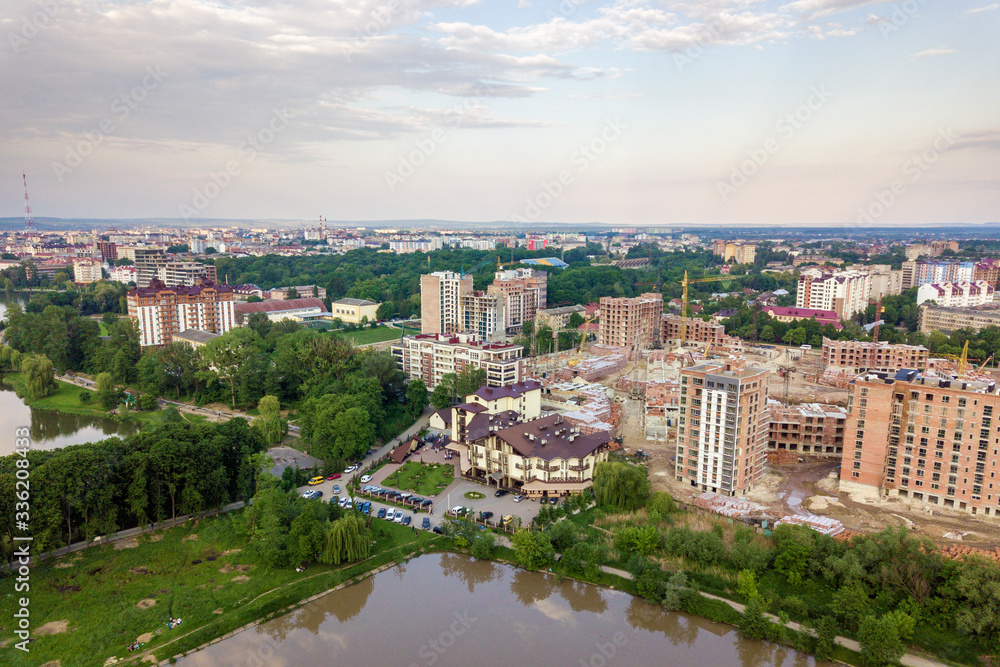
[(795, 336), (753, 623), (880, 642), (851, 603), (39, 375), (767, 334), (385, 310), (269, 419), (292, 293), (107, 392), (347, 539), (227, 354), (532, 550), (441, 396), (620, 485), (794, 549), (635, 540), (416, 397), (746, 585)]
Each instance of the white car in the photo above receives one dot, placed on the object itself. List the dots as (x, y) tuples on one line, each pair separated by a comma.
[(349, 470), (399, 516), (391, 515), (518, 498), (366, 478)]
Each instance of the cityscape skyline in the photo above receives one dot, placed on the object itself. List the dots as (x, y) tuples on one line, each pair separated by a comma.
[(813, 112)]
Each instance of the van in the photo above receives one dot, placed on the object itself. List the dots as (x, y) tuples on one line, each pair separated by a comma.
[(316, 480), (457, 511)]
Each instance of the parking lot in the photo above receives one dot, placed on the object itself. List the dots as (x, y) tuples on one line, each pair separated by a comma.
[(452, 496)]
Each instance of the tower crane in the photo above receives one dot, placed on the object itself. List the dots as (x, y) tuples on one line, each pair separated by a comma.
[(879, 309)]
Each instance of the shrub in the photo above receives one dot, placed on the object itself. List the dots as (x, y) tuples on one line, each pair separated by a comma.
[(85, 396)]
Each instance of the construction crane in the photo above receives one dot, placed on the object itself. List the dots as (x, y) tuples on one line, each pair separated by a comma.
[(874, 353), (983, 365), (684, 299), (785, 373)]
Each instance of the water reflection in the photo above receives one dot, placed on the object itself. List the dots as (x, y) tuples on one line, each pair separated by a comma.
[(448, 609), (50, 429)]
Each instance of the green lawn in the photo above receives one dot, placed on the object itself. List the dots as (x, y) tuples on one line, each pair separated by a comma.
[(67, 399), (425, 479), (104, 328), (196, 572), (366, 335)]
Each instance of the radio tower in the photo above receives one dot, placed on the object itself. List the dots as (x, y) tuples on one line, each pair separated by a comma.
[(29, 223)]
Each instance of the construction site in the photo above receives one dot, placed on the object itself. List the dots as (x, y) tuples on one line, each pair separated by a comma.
[(635, 394)]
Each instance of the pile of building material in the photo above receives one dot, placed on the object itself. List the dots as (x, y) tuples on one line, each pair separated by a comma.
[(662, 395), (956, 552), (820, 524), (782, 457), (594, 412), (594, 368), (736, 508), (836, 377)]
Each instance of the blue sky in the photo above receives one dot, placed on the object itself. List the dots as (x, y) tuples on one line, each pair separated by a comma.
[(841, 112)]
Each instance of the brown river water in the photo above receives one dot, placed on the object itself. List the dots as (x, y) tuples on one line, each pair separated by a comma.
[(448, 609)]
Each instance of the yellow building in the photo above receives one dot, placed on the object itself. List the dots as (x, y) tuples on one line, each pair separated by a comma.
[(352, 311)]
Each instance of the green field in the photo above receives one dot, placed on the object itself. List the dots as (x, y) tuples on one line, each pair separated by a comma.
[(199, 572), (425, 479), (366, 335)]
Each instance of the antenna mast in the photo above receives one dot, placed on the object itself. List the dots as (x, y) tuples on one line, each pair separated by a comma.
[(29, 222)]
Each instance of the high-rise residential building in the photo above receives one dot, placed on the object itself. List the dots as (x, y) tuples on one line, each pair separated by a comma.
[(741, 253), (185, 273), (809, 428), (440, 304), (885, 281), (843, 292), (431, 356), (956, 295), (162, 311), (483, 315), (632, 323), (719, 248), (863, 356), (948, 320), (148, 262), (695, 330), (723, 426), (108, 250), (988, 270), (921, 273), (929, 439), (932, 249), (86, 270), (525, 292)]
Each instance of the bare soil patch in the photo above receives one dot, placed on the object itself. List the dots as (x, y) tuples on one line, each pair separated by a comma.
[(145, 603), (239, 579), (52, 628), (193, 537), (127, 543)]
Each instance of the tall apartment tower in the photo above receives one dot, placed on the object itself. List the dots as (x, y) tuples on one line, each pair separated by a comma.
[(440, 301), (929, 439), (631, 323), (723, 427), (525, 292), (162, 311), (483, 315)]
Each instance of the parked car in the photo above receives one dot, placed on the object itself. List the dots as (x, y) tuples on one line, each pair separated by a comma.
[(307, 494), (426, 523), (486, 516), (390, 515), (507, 519), (335, 475), (406, 520), (501, 493), (426, 502), (316, 480), (399, 516), (518, 498), (457, 511), (381, 513), (554, 500), (405, 494), (336, 489), (366, 478), (349, 470), (437, 529)]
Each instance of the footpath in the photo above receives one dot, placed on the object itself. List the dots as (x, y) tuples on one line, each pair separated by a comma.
[(908, 659)]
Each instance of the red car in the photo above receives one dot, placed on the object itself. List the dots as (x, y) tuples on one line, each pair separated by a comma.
[(335, 475)]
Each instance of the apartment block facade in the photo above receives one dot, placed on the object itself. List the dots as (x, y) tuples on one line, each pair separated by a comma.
[(440, 301), (162, 311), (431, 356), (862, 356), (525, 293), (723, 426), (809, 428), (739, 253), (695, 330), (172, 274), (928, 439), (843, 292), (947, 320), (86, 270), (956, 295), (483, 315), (632, 323), (921, 273)]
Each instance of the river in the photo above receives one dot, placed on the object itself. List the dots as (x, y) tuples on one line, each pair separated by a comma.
[(50, 429), (448, 609)]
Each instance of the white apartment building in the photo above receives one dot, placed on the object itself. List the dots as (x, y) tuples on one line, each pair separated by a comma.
[(843, 292), (483, 315), (956, 295), (86, 270), (431, 356)]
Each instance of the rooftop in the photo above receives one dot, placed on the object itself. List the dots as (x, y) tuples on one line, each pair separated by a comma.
[(355, 302), (516, 390), (551, 438), (196, 336), (156, 286), (279, 305)]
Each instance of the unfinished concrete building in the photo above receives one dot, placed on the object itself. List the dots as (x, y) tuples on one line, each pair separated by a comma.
[(809, 428), (695, 330), (862, 356), (631, 323)]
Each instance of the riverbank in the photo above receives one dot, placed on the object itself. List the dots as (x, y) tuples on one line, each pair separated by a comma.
[(93, 604)]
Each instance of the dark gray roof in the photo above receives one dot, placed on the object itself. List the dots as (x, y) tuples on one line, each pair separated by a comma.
[(551, 438)]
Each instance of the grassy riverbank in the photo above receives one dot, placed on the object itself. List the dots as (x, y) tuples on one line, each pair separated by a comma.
[(67, 399), (100, 600)]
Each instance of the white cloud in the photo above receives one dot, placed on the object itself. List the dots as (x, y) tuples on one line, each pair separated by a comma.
[(979, 10), (940, 51), (813, 9)]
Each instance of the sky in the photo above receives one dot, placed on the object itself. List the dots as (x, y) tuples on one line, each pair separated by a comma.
[(625, 112)]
